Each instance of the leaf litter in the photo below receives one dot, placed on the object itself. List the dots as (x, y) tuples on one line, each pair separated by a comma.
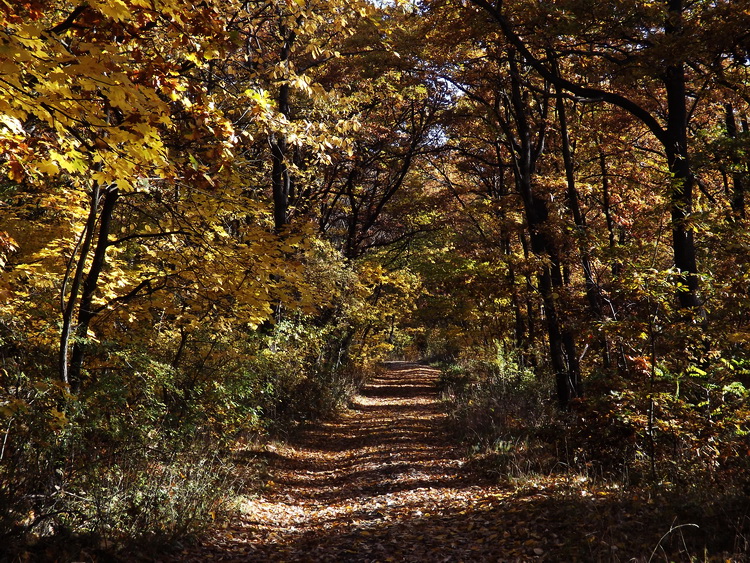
[(386, 481)]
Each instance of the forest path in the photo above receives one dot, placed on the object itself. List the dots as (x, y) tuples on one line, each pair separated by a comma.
[(385, 482)]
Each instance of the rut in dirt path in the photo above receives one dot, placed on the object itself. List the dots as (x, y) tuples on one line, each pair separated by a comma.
[(382, 482)]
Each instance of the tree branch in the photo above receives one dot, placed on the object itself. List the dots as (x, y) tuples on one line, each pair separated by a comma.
[(593, 94), (67, 23)]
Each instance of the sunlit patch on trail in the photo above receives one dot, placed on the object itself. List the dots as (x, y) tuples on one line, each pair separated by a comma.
[(385, 482)]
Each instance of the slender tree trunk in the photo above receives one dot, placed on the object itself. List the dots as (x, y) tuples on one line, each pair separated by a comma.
[(607, 210), (737, 198), (85, 310), (520, 326), (561, 342), (184, 335), (68, 308), (279, 168), (563, 382), (280, 177), (681, 193), (530, 308), (351, 246), (592, 289)]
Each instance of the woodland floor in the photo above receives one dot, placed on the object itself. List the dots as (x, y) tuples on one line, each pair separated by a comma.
[(385, 481)]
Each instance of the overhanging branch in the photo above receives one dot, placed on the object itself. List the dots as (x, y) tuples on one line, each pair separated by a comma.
[(582, 91)]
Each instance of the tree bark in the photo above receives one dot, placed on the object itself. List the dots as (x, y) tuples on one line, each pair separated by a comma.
[(616, 267), (561, 341), (592, 289), (676, 148), (280, 177), (68, 308), (85, 311), (737, 198)]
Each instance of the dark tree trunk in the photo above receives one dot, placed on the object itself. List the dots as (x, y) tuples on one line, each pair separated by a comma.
[(519, 324), (280, 177), (85, 310), (592, 289), (593, 294), (75, 284), (737, 198), (607, 210), (279, 169), (561, 342), (530, 308), (676, 148)]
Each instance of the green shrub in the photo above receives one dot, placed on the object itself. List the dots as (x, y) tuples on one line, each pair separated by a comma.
[(116, 475), (495, 401)]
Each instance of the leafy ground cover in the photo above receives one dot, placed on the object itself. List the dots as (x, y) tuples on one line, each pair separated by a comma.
[(386, 481)]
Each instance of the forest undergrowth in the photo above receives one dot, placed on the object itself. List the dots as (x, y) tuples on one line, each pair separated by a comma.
[(505, 416), (153, 455), (475, 456)]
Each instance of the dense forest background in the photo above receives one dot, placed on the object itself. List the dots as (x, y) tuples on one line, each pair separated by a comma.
[(217, 217)]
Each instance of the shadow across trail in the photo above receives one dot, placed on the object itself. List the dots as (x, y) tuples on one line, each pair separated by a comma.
[(392, 439), (385, 482)]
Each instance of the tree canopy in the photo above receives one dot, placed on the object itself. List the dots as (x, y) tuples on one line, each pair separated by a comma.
[(216, 216)]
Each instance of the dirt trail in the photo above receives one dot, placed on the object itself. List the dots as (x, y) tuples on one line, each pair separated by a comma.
[(385, 482), (382, 482), (362, 487)]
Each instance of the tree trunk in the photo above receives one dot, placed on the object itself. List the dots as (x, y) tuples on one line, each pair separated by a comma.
[(561, 342), (280, 178), (676, 148), (530, 308), (68, 307), (592, 289), (85, 310), (519, 324), (737, 198), (607, 210), (681, 193)]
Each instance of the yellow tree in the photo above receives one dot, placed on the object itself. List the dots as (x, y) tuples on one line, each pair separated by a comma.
[(93, 95)]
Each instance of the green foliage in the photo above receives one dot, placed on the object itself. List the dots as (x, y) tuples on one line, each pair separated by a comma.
[(499, 407), (685, 428), (104, 464), (144, 450)]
